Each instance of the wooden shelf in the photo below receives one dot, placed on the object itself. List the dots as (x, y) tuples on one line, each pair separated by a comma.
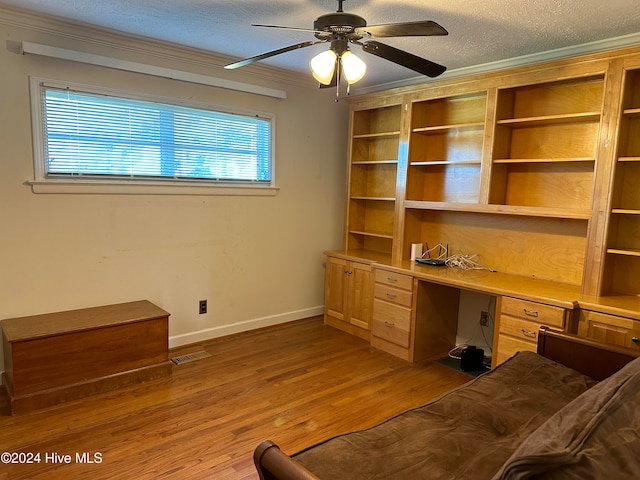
[(377, 135), (629, 159), (551, 119), (621, 251), (436, 129), (372, 234), (429, 163), (376, 199), (361, 254), (375, 162), (625, 211), (573, 214), (543, 160), (631, 111)]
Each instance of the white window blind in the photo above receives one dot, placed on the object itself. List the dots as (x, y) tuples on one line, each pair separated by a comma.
[(94, 135)]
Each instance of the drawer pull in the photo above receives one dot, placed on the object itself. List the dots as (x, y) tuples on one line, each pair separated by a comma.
[(531, 313), (392, 280), (634, 339), (528, 333), (348, 272), (389, 324), (391, 295)]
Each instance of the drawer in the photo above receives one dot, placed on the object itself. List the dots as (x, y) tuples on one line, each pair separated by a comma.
[(397, 280), (391, 322), (508, 346), (533, 311), (522, 329), (393, 295)]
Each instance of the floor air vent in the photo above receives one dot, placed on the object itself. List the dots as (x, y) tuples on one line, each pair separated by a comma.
[(190, 357)]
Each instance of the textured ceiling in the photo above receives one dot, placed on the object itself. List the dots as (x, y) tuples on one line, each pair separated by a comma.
[(480, 31)]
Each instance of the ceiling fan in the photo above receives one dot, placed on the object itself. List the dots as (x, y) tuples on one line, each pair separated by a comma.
[(340, 29)]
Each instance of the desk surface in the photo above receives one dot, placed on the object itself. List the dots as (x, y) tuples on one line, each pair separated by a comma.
[(498, 283)]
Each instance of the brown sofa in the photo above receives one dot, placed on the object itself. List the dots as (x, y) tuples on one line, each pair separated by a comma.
[(531, 417)]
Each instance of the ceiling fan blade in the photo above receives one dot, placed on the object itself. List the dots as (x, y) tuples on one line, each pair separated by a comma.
[(247, 61), (286, 28), (408, 29), (406, 59)]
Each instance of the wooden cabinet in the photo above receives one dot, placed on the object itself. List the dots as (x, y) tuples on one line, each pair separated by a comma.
[(373, 165), (392, 312), (348, 296), (519, 323), (611, 329), (413, 320), (57, 357), (622, 261)]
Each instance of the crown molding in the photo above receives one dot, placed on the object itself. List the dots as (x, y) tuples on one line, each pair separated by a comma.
[(213, 63), (201, 61), (598, 46)]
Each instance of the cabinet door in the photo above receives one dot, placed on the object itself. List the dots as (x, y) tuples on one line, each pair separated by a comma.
[(609, 328), (360, 294), (335, 288)]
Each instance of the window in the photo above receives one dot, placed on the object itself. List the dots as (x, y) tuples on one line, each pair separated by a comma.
[(87, 134)]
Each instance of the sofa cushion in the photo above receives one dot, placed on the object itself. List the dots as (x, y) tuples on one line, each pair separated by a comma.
[(596, 436), (468, 432)]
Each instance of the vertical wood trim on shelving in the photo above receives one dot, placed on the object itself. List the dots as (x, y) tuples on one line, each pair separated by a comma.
[(347, 203), (401, 178), (592, 282), (487, 147)]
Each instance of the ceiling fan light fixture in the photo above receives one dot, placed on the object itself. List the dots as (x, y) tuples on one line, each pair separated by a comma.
[(323, 65), (353, 67)]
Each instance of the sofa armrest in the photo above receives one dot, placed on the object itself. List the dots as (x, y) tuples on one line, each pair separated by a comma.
[(273, 464), (597, 360)]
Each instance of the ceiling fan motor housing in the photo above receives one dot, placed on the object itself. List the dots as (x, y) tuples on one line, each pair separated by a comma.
[(338, 23)]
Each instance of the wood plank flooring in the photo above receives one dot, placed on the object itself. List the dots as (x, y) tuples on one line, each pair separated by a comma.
[(295, 384)]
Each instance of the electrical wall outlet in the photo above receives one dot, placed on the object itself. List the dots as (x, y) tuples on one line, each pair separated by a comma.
[(203, 306), (484, 318)]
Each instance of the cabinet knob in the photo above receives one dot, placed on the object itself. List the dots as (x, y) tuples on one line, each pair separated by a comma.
[(634, 339), (348, 272)]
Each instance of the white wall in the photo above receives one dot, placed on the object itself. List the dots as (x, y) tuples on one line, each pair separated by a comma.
[(257, 260), (469, 330)]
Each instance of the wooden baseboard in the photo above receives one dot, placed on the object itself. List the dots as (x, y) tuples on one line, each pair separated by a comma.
[(25, 403)]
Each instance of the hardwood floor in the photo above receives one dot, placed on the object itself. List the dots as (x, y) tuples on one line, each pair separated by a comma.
[(295, 384)]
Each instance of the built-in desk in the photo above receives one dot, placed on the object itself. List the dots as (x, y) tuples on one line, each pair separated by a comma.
[(424, 326)]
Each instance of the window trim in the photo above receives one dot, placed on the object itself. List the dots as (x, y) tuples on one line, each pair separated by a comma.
[(41, 183)]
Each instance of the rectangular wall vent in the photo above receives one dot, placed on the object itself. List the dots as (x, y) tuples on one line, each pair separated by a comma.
[(190, 357)]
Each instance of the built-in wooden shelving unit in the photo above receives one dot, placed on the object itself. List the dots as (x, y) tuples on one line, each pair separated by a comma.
[(622, 261), (514, 167)]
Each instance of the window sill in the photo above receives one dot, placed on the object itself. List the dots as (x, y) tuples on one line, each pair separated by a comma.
[(101, 187)]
